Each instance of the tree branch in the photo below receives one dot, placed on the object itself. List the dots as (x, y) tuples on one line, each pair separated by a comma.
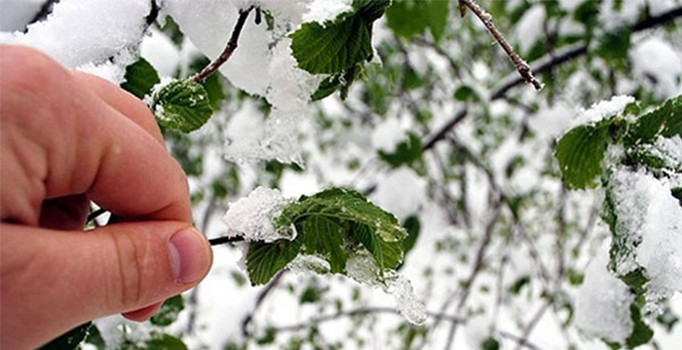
[(521, 66), (548, 62), (229, 48), (259, 301), (393, 311)]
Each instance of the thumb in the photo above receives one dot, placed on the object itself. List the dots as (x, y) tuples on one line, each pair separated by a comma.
[(55, 280)]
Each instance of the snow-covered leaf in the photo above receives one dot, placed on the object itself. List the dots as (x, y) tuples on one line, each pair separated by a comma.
[(182, 105), (340, 44), (665, 121)]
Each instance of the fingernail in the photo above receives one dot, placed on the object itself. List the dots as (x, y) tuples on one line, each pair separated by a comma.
[(189, 255)]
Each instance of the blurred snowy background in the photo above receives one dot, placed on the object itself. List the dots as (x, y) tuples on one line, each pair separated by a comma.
[(442, 133)]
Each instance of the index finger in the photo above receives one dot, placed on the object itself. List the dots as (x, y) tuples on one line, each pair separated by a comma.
[(66, 140)]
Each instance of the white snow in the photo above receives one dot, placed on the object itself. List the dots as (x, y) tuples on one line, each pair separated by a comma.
[(88, 33), (602, 110), (306, 264), (324, 10), (161, 53), (401, 192), (263, 65), (252, 217), (530, 28), (602, 308), (657, 61), (15, 14)]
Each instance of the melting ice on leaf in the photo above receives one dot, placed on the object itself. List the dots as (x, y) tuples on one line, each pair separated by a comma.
[(182, 105)]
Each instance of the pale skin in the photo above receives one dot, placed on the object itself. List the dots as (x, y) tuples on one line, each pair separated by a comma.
[(67, 138)]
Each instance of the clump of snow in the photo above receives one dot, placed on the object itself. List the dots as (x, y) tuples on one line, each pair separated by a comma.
[(387, 135), (602, 110), (278, 139), (659, 252), (305, 264), (669, 149), (88, 33), (252, 217), (649, 214), (530, 28), (263, 64), (325, 10), (657, 61), (602, 307), (401, 192), (161, 52), (362, 267)]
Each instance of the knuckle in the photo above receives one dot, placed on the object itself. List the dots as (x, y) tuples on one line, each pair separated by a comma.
[(31, 70), (132, 266)]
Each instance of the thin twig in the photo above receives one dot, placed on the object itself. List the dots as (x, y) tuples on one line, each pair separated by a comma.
[(229, 48), (356, 312), (393, 311), (521, 66), (548, 62), (437, 136), (223, 240), (259, 301)]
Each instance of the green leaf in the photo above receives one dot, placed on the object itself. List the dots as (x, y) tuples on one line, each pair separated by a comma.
[(520, 282), (409, 18), (332, 48), (665, 121), (575, 277), (169, 311), (264, 260), (95, 338), (407, 152), (413, 227), (340, 44), (636, 280), (490, 344), (140, 78), (345, 205), (327, 87), (580, 153), (163, 341), (677, 193), (182, 105), (69, 340), (641, 332), (335, 217), (324, 235), (613, 47), (466, 93), (388, 255)]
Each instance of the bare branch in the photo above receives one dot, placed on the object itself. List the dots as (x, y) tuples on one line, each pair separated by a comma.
[(227, 52), (246, 322), (548, 62), (521, 66)]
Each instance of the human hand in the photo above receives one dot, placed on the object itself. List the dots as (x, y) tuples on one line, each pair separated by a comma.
[(67, 138)]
